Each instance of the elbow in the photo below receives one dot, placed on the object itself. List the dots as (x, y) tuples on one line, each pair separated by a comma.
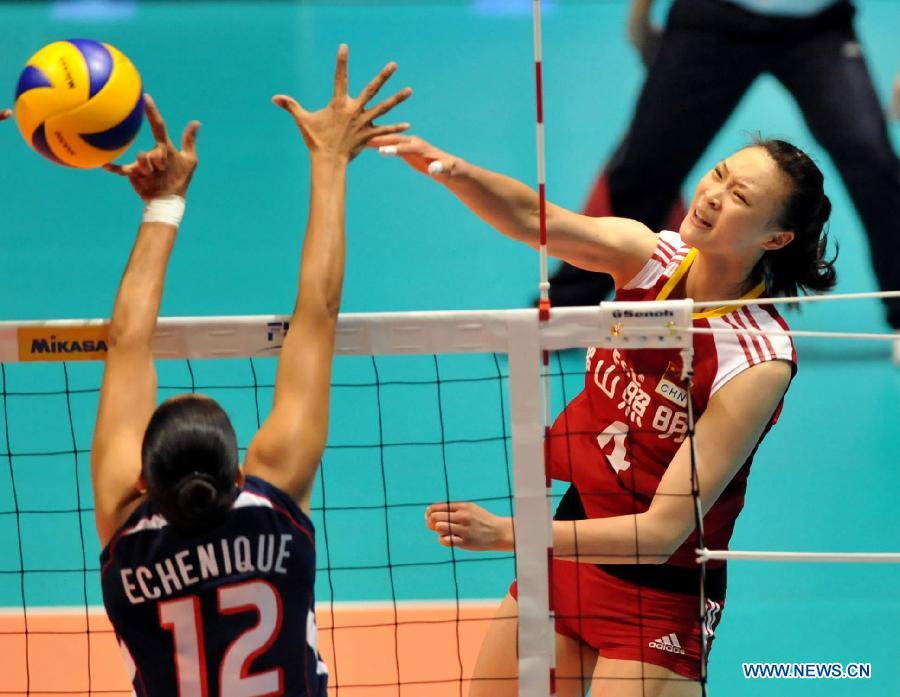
[(658, 550), (325, 311), (551, 222), (321, 299), (527, 227), (122, 336), (664, 540), (132, 325), (663, 551), (333, 306)]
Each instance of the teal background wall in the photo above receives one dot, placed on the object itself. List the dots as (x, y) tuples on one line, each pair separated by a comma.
[(825, 479)]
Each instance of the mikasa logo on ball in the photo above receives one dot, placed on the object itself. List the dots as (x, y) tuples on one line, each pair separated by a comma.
[(64, 64)]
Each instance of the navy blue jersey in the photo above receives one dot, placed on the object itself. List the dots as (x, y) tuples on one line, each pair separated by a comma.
[(229, 613)]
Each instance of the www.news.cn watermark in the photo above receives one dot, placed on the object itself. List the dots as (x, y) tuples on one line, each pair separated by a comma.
[(807, 671)]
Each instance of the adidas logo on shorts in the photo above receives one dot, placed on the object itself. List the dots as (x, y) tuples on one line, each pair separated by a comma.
[(668, 643)]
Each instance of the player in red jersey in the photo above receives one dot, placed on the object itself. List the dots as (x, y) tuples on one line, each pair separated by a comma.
[(625, 583)]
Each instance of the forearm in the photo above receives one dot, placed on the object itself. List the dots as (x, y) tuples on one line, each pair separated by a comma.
[(502, 202), (627, 539), (643, 538), (322, 260), (140, 292), (304, 368)]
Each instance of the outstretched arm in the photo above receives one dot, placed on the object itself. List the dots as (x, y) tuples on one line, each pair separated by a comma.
[(5, 114), (726, 434), (617, 246), (128, 391), (287, 449)]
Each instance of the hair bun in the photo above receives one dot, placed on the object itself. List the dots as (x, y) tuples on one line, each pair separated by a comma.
[(197, 496)]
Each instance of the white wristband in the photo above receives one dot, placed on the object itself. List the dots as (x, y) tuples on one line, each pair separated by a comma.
[(165, 209)]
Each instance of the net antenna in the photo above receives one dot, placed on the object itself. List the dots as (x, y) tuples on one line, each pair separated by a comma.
[(536, 625)]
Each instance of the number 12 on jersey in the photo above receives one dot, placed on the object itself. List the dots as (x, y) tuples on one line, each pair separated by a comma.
[(182, 617)]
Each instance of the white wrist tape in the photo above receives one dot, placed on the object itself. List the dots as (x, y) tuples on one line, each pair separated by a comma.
[(165, 209)]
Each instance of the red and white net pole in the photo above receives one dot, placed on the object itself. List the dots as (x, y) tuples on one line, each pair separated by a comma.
[(544, 285), (530, 414), (544, 293)]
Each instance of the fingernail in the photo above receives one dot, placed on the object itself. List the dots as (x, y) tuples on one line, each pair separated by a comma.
[(387, 150), (435, 168)]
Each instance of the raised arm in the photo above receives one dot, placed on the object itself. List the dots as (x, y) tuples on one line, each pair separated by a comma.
[(618, 246), (726, 435), (128, 391), (287, 449)]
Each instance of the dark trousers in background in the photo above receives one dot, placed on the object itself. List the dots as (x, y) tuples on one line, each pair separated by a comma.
[(710, 54)]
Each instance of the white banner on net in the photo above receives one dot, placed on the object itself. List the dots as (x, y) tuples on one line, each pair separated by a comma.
[(385, 333)]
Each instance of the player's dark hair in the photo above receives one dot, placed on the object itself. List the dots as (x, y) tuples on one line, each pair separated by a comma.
[(190, 461), (801, 265)]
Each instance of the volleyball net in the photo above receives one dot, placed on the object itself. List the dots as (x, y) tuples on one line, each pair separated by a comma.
[(426, 407)]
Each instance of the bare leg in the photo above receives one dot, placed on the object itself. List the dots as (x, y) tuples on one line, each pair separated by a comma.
[(575, 663), (617, 678), (497, 667)]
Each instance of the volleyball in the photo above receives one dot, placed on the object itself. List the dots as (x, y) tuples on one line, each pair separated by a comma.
[(79, 103)]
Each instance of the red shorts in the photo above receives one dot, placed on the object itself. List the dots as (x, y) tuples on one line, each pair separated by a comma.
[(622, 620)]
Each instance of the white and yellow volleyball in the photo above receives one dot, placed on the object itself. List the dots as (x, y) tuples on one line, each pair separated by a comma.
[(79, 103)]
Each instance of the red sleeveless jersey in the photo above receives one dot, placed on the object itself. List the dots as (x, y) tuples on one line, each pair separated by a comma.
[(616, 438)]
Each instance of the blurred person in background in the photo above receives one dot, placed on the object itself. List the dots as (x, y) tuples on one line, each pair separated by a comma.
[(699, 66)]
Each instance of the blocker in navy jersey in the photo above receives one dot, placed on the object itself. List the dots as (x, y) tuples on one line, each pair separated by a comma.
[(226, 613)]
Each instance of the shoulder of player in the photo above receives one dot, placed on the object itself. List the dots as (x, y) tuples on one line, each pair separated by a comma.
[(257, 492), (664, 260), (753, 334), (670, 249), (733, 350), (139, 518)]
